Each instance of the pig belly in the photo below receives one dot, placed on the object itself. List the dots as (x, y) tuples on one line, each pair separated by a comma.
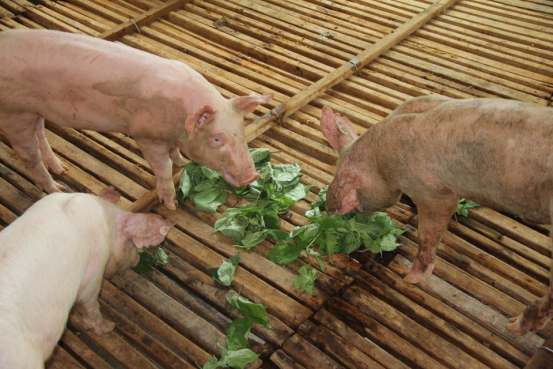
[(44, 255)]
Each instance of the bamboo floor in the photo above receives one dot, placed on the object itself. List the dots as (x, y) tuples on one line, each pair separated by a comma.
[(361, 314)]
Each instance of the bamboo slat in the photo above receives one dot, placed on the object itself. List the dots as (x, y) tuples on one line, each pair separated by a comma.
[(491, 265)]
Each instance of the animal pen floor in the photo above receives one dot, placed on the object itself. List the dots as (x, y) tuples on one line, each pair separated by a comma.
[(361, 314)]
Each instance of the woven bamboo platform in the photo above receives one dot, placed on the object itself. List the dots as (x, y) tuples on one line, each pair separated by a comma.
[(361, 314)]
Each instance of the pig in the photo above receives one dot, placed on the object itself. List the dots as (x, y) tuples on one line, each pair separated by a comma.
[(54, 256), (87, 83), (435, 149)]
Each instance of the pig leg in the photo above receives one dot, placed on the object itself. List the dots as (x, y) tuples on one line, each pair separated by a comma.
[(48, 158), (158, 157), (88, 307), (176, 157), (20, 130), (539, 312), (434, 216)]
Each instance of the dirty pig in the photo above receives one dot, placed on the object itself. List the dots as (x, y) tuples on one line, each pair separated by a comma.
[(55, 255), (434, 149), (86, 83)]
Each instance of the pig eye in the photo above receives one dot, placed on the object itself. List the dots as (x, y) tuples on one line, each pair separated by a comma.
[(217, 140)]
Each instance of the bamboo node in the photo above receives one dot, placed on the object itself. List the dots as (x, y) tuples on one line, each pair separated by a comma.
[(138, 29), (354, 62), (437, 2)]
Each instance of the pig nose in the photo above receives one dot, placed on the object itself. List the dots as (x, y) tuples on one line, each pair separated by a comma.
[(252, 178)]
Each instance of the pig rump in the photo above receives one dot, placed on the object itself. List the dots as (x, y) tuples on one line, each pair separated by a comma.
[(53, 257)]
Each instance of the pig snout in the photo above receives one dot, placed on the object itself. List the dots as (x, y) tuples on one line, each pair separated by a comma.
[(240, 178)]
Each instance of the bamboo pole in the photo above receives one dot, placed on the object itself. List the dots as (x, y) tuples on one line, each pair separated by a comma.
[(148, 17), (315, 90)]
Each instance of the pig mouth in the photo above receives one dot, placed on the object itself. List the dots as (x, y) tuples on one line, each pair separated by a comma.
[(230, 178), (135, 263)]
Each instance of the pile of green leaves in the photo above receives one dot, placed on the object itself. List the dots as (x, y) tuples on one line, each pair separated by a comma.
[(278, 185), (333, 234), (147, 261), (465, 205)]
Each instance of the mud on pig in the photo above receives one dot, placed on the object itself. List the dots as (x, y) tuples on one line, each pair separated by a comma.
[(434, 149), (55, 255), (86, 83)]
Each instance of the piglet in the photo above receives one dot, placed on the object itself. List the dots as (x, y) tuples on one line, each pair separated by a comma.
[(54, 256), (436, 149), (86, 83)]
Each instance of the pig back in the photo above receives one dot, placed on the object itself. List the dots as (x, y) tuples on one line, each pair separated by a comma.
[(44, 255), (82, 82), (495, 152)]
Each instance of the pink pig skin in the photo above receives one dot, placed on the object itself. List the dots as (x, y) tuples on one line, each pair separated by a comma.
[(82, 82), (54, 256), (434, 149)]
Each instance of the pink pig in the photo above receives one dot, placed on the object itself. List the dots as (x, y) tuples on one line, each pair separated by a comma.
[(54, 256), (87, 83), (435, 149)]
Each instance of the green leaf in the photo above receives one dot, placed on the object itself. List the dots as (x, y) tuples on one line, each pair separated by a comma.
[(271, 220), (209, 174), (332, 245), (298, 192), (240, 358), (259, 155), (256, 312), (225, 273), (285, 172), (306, 280), (211, 363), (147, 261), (238, 333), (465, 205), (284, 253), (206, 184), (231, 224), (185, 184), (278, 235), (252, 239)]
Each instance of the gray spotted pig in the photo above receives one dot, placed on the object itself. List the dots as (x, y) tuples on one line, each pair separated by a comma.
[(434, 149)]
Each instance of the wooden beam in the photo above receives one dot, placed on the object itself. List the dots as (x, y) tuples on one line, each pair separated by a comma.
[(134, 24), (315, 90)]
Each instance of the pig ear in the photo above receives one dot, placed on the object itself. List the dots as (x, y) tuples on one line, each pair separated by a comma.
[(199, 119), (337, 130), (146, 229), (247, 104), (110, 194)]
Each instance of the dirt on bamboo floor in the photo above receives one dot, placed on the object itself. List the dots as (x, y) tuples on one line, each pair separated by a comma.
[(361, 313)]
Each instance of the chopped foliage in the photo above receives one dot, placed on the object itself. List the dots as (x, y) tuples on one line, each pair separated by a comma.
[(465, 205), (225, 273), (147, 261)]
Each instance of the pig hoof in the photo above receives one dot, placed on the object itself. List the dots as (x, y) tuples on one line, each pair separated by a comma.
[(171, 205), (411, 278), (103, 327)]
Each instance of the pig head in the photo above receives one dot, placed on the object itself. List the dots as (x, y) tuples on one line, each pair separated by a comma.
[(358, 185), (216, 138), (55, 256)]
